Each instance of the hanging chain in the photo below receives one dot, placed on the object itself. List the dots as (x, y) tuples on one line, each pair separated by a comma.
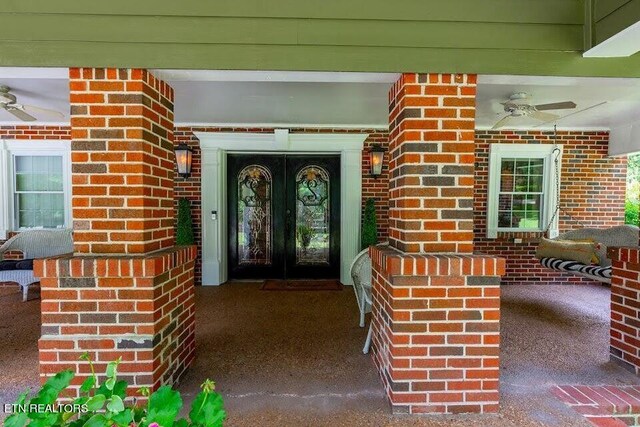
[(556, 161)]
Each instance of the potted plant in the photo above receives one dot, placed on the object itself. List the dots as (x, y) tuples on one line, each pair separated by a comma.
[(184, 231), (305, 234), (369, 224)]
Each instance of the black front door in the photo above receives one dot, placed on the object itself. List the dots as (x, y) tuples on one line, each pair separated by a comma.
[(284, 216)]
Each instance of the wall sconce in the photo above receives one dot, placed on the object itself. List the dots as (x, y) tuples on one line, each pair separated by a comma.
[(184, 156), (376, 158)]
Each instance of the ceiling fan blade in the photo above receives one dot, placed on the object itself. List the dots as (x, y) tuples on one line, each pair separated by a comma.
[(556, 106), (42, 110), (544, 117), (502, 122), (573, 114), (22, 115)]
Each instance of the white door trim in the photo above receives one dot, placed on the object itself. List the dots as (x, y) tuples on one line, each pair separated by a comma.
[(214, 147)]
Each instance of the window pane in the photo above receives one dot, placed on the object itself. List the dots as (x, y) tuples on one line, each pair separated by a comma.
[(521, 184), (39, 196), (536, 166), (504, 219), (519, 200), (522, 167), (535, 183), (24, 182), (506, 175)]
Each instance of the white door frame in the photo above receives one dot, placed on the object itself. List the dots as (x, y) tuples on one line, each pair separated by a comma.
[(214, 147)]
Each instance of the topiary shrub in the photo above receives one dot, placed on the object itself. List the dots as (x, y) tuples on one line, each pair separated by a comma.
[(369, 224), (103, 405), (184, 232)]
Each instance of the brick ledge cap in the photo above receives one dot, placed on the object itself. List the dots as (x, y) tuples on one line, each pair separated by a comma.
[(624, 253), (395, 262), (86, 265)]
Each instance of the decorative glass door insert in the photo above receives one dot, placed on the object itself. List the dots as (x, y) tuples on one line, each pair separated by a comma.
[(312, 216), (283, 216), (254, 215)]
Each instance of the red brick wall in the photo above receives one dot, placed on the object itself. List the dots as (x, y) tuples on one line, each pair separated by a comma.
[(35, 132), (436, 330), (190, 188), (122, 160), (625, 308), (140, 308), (592, 191), (431, 122)]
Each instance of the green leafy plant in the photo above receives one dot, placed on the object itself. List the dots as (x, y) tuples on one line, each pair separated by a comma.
[(369, 225), (631, 211), (305, 234), (184, 232), (103, 405)]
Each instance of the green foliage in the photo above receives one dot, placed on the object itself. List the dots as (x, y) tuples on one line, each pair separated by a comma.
[(369, 225), (103, 405), (184, 232), (631, 209), (305, 234), (632, 202)]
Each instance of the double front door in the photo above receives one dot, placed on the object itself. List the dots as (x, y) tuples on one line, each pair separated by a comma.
[(284, 216)]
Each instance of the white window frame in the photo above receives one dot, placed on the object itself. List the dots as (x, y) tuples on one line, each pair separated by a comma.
[(523, 151), (11, 148)]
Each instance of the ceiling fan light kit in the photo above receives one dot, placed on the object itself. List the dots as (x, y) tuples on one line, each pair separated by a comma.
[(9, 103)]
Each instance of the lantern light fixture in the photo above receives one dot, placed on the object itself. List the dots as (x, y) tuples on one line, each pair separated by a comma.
[(376, 158), (184, 157)]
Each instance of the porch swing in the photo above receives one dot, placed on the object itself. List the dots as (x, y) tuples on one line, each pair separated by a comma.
[(583, 250)]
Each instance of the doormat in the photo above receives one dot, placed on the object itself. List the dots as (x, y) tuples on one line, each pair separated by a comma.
[(301, 285)]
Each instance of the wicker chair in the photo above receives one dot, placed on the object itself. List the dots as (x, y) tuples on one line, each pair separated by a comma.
[(361, 275), (34, 244)]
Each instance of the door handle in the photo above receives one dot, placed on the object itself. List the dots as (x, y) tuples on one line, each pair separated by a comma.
[(287, 221)]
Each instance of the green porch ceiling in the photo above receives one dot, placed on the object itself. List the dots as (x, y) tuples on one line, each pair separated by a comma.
[(613, 16), (542, 37)]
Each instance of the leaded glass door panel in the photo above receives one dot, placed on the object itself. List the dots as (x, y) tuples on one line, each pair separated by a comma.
[(283, 216), (256, 225), (313, 216)]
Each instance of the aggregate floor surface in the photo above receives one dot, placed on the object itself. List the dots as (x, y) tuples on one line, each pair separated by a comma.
[(294, 358)]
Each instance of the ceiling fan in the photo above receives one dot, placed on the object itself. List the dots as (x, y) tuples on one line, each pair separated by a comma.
[(8, 102), (519, 105)]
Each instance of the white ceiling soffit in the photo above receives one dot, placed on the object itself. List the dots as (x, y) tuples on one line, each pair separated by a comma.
[(281, 104), (623, 44), (280, 98), (602, 104), (274, 76), (40, 87)]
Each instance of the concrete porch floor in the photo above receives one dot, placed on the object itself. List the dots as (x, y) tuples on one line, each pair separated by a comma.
[(294, 358)]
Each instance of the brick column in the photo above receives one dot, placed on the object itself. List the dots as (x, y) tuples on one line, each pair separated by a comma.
[(127, 292), (436, 311), (625, 308), (431, 146)]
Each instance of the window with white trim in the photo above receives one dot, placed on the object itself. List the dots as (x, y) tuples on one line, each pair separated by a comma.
[(522, 190), (36, 185)]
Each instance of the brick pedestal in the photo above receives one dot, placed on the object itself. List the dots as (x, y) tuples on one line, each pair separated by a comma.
[(625, 308), (139, 308), (436, 340)]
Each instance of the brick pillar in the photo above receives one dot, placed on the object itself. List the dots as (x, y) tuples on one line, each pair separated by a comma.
[(625, 308), (431, 146), (436, 311), (127, 292)]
